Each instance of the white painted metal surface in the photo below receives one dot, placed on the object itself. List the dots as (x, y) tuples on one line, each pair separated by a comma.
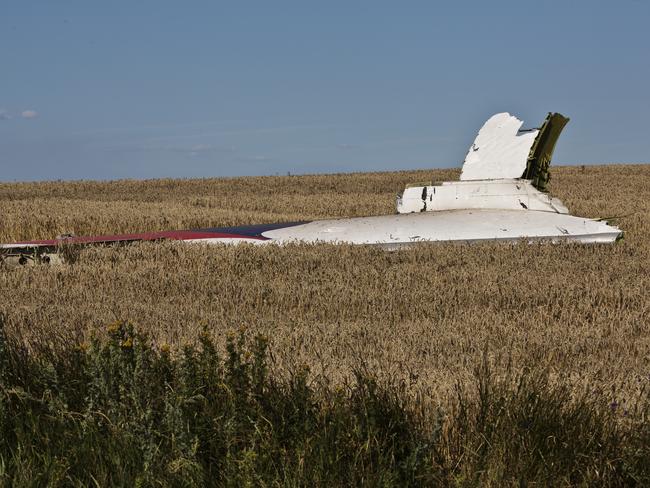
[(499, 150), (451, 225), (507, 194)]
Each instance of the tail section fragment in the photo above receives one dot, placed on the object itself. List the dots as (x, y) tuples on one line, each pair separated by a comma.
[(501, 196), (502, 150)]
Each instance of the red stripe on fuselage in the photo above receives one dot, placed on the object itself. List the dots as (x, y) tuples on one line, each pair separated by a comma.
[(180, 235)]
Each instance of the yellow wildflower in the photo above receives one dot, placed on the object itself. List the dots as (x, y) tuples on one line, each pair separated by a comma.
[(114, 327)]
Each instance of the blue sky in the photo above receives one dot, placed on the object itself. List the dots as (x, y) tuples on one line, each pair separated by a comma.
[(103, 90)]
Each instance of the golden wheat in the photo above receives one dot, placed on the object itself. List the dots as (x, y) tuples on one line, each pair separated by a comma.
[(422, 316)]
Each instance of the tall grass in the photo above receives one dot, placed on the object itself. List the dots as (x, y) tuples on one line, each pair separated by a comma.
[(120, 412)]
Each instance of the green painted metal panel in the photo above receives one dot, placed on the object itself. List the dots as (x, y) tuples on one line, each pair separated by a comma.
[(539, 158)]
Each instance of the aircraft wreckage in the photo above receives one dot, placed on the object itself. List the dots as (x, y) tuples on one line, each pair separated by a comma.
[(501, 195)]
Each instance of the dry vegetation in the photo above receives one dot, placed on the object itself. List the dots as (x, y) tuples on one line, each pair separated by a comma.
[(422, 316)]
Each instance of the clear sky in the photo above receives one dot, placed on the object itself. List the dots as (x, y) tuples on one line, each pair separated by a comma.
[(144, 89)]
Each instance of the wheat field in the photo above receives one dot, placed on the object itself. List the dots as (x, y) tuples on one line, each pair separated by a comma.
[(423, 317)]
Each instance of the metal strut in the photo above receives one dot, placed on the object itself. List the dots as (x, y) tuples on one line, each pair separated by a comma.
[(15, 258)]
